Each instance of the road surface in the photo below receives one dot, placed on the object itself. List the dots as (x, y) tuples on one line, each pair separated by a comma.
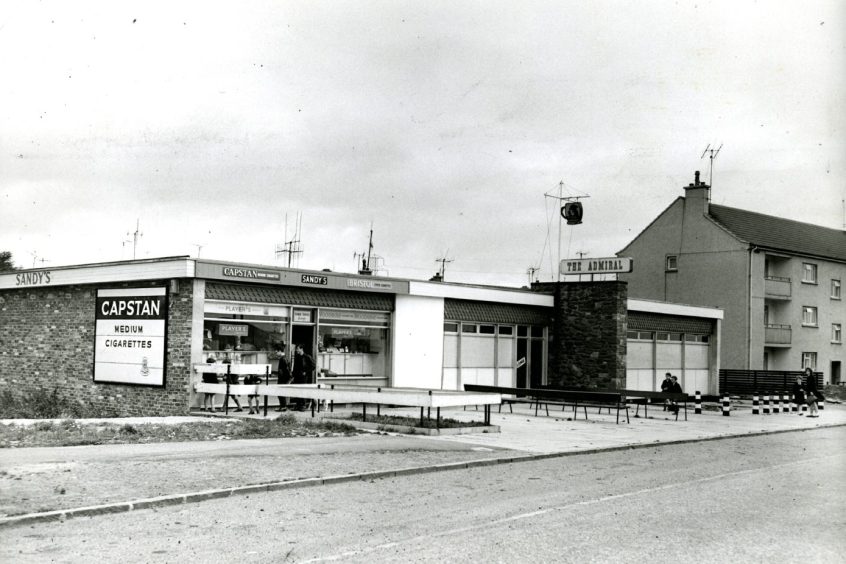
[(774, 498)]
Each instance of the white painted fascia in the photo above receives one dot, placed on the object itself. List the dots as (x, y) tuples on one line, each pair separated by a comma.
[(666, 308), (104, 273), (480, 294)]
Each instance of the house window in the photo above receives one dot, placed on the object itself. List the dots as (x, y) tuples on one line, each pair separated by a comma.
[(809, 273), (672, 263), (809, 316), (836, 333), (835, 289), (809, 360)]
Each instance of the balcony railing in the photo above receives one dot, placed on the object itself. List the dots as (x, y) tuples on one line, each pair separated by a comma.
[(777, 334), (776, 287)]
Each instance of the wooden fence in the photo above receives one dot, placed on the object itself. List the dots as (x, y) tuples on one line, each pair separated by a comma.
[(747, 382)]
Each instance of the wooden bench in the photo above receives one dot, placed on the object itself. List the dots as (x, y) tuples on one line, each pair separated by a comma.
[(645, 397), (564, 398)]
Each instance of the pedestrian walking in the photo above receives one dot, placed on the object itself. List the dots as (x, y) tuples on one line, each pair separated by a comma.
[(811, 392)]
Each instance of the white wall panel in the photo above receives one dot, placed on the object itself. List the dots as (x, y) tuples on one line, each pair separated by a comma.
[(418, 339), (639, 354)]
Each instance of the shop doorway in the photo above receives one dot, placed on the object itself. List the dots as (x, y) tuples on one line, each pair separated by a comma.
[(303, 335)]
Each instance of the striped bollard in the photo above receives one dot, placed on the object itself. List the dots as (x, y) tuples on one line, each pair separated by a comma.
[(820, 404), (793, 406), (786, 400), (697, 408), (776, 403), (804, 408), (726, 405), (755, 410), (766, 403)]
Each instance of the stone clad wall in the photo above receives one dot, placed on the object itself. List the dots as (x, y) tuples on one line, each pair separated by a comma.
[(47, 342), (588, 346)]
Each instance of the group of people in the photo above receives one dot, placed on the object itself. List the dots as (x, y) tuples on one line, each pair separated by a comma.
[(671, 385), (807, 393), (300, 371)]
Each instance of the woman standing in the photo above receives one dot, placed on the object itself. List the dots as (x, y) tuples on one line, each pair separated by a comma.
[(798, 394), (811, 391)]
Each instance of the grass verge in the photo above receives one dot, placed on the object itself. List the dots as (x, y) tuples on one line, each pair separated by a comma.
[(446, 423), (68, 432)]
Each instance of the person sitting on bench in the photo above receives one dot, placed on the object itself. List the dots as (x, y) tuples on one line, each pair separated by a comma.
[(675, 388), (665, 387)]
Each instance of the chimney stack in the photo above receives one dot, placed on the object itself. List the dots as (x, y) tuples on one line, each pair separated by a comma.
[(697, 195)]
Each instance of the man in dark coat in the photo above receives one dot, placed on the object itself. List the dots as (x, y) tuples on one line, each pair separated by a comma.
[(303, 370)]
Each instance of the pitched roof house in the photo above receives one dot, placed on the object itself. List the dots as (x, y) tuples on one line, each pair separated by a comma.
[(779, 281)]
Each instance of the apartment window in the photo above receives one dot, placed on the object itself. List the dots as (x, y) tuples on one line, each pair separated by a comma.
[(809, 360), (809, 273), (836, 333), (672, 263), (835, 289), (809, 316)]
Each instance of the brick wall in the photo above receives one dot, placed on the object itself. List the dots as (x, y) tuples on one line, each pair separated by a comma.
[(47, 342), (588, 346)]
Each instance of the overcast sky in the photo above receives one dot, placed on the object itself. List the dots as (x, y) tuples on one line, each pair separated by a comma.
[(442, 123)]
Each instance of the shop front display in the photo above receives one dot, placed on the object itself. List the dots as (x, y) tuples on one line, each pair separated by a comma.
[(353, 344)]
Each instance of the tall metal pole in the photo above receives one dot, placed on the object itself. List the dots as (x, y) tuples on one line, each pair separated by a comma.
[(560, 197)]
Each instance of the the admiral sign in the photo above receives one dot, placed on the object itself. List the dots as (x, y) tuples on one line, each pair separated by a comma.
[(129, 340), (596, 266)]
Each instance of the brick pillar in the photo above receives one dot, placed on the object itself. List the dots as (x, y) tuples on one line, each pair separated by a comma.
[(588, 348)]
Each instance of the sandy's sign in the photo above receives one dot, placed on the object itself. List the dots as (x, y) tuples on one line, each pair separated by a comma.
[(596, 265), (130, 343)]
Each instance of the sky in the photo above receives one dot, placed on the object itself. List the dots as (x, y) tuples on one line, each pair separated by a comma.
[(450, 127)]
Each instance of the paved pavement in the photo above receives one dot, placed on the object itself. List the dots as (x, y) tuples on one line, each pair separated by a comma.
[(38, 484)]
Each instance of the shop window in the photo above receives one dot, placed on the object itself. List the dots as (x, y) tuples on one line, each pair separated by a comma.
[(696, 338), (469, 328), (809, 316), (835, 289), (537, 331), (506, 330), (349, 351), (809, 273), (487, 329), (450, 327), (631, 334), (836, 333), (242, 340), (522, 331)]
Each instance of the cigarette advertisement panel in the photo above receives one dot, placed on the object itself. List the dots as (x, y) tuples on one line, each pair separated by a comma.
[(130, 344)]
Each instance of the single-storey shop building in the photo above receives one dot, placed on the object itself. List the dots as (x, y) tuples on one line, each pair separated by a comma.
[(127, 335)]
